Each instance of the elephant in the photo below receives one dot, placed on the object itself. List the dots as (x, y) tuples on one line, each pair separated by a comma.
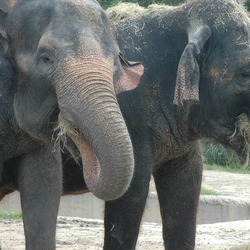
[(60, 72), (196, 84)]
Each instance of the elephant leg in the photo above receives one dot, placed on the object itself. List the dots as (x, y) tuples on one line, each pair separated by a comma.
[(123, 216), (178, 186), (40, 181)]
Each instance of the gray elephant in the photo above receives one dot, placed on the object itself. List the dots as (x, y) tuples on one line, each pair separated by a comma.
[(66, 70), (196, 84)]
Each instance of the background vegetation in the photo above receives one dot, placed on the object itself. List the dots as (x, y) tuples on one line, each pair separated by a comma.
[(107, 3), (217, 154), (8, 214), (247, 4), (145, 3)]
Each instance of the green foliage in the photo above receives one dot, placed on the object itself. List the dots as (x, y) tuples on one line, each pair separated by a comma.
[(108, 3), (217, 154), (7, 214), (208, 191), (247, 4)]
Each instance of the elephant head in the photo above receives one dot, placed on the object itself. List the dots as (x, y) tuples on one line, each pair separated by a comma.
[(214, 73), (69, 72)]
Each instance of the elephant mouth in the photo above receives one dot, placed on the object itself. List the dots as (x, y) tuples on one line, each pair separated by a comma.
[(240, 139), (234, 133), (66, 129)]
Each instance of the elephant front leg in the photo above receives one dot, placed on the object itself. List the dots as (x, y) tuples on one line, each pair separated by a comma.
[(123, 216), (178, 187), (40, 180)]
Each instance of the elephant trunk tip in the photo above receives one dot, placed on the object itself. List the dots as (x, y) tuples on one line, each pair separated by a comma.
[(109, 177), (112, 190), (116, 184)]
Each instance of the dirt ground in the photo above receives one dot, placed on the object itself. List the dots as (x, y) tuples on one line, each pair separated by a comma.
[(81, 234)]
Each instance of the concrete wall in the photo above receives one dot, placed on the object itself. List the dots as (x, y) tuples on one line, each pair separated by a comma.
[(212, 209)]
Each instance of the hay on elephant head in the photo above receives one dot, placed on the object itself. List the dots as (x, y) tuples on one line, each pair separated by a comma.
[(124, 10), (132, 10), (197, 8)]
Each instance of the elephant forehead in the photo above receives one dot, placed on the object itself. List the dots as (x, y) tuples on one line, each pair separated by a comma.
[(89, 46), (87, 9)]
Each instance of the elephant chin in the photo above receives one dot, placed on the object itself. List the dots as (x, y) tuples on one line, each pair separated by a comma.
[(240, 139)]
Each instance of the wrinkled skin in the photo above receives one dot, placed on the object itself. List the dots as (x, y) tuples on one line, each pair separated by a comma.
[(196, 84), (62, 74)]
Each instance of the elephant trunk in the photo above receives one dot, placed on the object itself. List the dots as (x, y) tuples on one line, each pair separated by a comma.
[(87, 101)]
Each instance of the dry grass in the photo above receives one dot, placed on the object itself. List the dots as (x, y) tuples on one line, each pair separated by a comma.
[(244, 125), (123, 11), (221, 11), (62, 130)]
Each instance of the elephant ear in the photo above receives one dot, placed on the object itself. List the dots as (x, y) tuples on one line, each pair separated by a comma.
[(4, 38), (130, 75), (188, 72), (3, 35), (5, 7)]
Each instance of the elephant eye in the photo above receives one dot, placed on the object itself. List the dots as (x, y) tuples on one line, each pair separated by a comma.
[(245, 74), (45, 58), (243, 77)]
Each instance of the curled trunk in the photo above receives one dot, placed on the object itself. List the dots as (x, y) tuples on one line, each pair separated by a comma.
[(87, 102)]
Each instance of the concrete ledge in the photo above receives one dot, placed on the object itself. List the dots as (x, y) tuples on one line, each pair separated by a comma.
[(212, 209)]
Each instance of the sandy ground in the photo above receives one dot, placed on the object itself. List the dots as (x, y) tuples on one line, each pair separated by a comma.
[(228, 184), (81, 234)]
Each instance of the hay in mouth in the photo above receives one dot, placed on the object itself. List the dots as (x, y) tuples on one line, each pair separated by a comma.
[(63, 129), (239, 140), (61, 136), (243, 123)]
